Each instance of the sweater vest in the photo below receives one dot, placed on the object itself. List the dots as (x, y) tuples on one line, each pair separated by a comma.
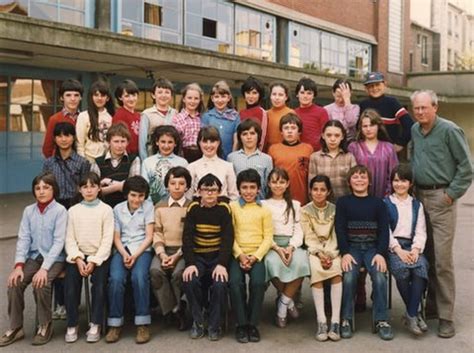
[(393, 214)]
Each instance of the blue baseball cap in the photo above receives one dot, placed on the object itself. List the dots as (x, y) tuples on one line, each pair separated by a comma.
[(373, 77)]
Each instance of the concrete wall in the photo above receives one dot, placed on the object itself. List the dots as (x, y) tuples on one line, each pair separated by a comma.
[(452, 84), (463, 115)]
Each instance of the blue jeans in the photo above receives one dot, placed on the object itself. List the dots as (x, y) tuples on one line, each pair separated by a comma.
[(140, 285), (363, 253)]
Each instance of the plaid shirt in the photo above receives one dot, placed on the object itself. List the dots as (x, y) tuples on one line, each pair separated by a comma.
[(188, 127)]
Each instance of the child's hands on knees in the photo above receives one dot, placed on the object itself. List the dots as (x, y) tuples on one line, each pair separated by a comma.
[(189, 272), (81, 267), (220, 274), (379, 262), (403, 255), (16, 277), (40, 278), (347, 261)]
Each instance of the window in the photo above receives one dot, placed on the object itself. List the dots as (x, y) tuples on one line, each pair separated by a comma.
[(209, 28), (450, 23), (333, 54), (304, 46), (254, 34), (424, 50), (418, 39), (395, 36), (153, 14), (358, 58)]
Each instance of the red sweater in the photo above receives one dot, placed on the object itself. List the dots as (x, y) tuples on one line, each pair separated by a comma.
[(132, 120), (48, 143), (259, 115), (313, 118)]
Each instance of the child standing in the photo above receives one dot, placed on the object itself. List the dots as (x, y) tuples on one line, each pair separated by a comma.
[(207, 244), (333, 159), (373, 149), (279, 97), (161, 113), (210, 147), (253, 237), (222, 115), (90, 232), (134, 221), (407, 242), (167, 266), (188, 120), (342, 109), (293, 156), (362, 229), (253, 92), (92, 124), (317, 220), (70, 94), (249, 134), (313, 117), (126, 94), (286, 263), (155, 167), (39, 259), (116, 165)]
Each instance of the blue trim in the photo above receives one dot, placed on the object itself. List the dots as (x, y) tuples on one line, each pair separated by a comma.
[(89, 13)]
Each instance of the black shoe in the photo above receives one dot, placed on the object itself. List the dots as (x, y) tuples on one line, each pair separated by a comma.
[(254, 334), (214, 334), (384, 329), (197, 331), (346, 329), (241, 334)]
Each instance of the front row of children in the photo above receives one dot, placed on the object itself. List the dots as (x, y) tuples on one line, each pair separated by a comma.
[(206, 247)]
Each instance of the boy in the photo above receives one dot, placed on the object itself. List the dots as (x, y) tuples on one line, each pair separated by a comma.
[(70, 93), (362, 230), (253, 238), (396, 119), (160, 113), (134, 221), (126, 94), (116, 165), (207, 244), (313, 117), (293, 156), (249, 134), (168, 265)]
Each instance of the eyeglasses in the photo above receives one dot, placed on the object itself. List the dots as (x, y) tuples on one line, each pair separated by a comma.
[(209, 190)]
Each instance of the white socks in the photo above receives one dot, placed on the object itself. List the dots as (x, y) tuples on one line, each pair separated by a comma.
[(283, 303), (318, 297), (336, 297)]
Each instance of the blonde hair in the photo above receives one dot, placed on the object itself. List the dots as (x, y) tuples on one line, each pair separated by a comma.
[(221, 87), (192, 87)]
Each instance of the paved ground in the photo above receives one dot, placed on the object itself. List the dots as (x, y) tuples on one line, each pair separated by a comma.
[(298, 336)]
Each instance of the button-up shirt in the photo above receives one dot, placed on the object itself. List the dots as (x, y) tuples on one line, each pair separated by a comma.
[(188, 127)]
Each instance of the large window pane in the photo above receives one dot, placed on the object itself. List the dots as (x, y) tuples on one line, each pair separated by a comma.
[(77, 4), (71, 17), (43, 11), (131, 11)]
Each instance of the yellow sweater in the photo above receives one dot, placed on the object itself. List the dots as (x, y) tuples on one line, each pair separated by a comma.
[(253, 229)]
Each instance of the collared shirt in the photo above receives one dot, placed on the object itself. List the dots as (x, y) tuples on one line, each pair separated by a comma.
[(132, 226), (226, 122), (42, 234), (188, 127), (68, 172), (242, 202), (257, 160), (442, 156), (134, 168), (151, 118), (180, 202), (67, 114)]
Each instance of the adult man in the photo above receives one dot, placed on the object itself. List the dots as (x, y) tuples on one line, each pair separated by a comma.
[(443, 173)]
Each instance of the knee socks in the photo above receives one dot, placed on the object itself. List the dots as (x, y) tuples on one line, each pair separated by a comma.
[(336, 296), (318, 297)]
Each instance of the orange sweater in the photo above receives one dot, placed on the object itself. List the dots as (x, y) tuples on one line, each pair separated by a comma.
[(273, 129)]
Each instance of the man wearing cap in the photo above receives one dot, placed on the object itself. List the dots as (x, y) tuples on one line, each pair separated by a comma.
[(443, 173), (396, 119)]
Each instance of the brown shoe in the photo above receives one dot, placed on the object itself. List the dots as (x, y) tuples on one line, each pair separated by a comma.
[(113, 335), (446, 329), (143, 334), (293, 312), (44, 334), (12, 336), (280, 322)]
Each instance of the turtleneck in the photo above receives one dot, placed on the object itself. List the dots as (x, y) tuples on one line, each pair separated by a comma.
[(42, 205), (92, 203)]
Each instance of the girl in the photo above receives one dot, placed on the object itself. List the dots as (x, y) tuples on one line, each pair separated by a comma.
[(211, 161), (373, 149), (223, 116), (39, 259), (286, 263), (333, 159), (154, 168), (407, 241), (253, 92), (126, 94), (92, 124), (279, 97), (188, 120), (90, 232), (317, 221)]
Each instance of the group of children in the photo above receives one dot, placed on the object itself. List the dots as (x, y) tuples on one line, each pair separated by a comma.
[(190, 203)]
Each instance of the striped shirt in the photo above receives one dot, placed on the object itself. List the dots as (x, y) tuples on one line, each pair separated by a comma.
[(188, 127)]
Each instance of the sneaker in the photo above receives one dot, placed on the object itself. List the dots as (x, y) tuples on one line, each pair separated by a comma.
[(113, 335), (241, 334), (71, 334), (254, 334), (59, 313), (334, 332), (293, 312), (421, 323), (384, 330), (346, 329), (197, 330), (280, 321), (322, 333), (411, 324), (93, 334), (143, 334), (214, 334), (446, 329), (43, 335), (298, 300), (12, 336)]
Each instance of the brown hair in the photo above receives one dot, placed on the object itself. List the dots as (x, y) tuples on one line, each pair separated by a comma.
[(118, 129), (47, 178), (221, 87), (375, 119)]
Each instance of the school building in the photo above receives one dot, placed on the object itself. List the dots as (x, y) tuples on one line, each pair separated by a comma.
[(43, 42)]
